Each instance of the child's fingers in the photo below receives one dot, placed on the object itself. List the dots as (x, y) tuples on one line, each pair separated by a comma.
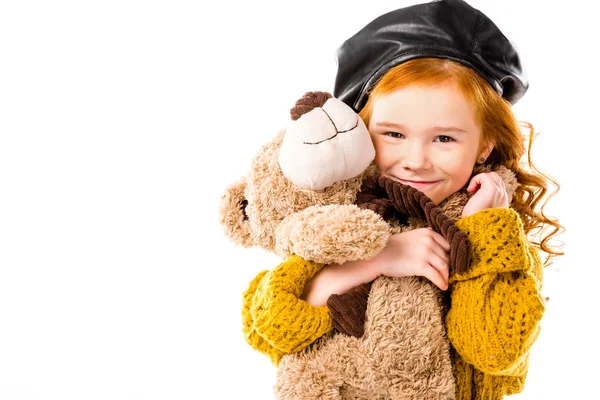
[(474, 183), (441, 265), (440, 252), (440, 241), (434, 276)]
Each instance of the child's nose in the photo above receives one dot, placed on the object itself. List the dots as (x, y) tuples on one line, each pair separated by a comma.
[(415, 156)]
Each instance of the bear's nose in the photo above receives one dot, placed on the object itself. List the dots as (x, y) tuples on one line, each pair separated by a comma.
[(309, 102)]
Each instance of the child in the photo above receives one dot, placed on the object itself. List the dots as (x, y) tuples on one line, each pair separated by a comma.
[(434, 83)]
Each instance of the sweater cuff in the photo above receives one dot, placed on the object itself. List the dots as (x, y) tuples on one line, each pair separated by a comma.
[(279, 315), (498, 243)]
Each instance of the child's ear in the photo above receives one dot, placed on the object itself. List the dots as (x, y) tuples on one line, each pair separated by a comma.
[(486, 150), (232, 214)]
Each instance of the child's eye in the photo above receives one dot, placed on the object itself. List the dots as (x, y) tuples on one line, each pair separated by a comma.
[(394, 135), (444, 139)]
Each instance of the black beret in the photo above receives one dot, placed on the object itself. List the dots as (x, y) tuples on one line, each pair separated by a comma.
[(440, 29)]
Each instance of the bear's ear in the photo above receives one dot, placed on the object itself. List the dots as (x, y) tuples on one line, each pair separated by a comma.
[(232, 214)]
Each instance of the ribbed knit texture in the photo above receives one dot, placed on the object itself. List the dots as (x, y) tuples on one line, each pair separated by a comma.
[(496, 307), (275, 320), (348, 310)]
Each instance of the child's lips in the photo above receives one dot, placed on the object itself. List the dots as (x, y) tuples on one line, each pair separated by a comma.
[(420, 185)]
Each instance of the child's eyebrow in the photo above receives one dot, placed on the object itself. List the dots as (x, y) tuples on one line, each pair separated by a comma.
[(447, 129), (434, 129)]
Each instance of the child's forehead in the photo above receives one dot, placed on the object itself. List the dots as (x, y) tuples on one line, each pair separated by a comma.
[(432, 105)]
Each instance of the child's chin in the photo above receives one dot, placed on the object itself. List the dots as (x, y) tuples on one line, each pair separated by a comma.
[(435, 196)]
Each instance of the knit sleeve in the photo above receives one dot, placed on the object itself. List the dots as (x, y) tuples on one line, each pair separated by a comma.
[(496, 305), (280, 317), (252, 337)]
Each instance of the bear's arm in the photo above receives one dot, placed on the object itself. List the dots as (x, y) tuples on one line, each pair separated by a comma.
[(496, 305), (332, 234)]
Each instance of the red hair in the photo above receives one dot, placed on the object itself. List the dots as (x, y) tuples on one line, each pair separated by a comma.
[(499, 126)]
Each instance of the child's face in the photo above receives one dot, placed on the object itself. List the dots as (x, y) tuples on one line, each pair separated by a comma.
[(426, 137)]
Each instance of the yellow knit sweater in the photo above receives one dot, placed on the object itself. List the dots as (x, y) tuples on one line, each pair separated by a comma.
[(496, 307), (492, 323), (275, 320)]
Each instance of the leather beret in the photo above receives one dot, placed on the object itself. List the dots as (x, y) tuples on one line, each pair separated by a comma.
[(440, 29)]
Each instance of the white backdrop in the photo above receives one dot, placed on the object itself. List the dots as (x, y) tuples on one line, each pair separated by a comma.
[(121, 122)]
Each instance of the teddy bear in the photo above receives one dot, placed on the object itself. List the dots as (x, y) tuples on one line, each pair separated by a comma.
[(314, 216), (295, 186), (312, 193)]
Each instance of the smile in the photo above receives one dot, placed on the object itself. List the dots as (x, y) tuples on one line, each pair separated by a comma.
[(420, 185)]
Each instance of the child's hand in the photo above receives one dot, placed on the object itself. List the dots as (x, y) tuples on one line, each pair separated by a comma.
[(420, 252), (490, 192)]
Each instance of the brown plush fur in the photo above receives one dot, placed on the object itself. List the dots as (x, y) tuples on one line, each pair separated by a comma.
[(403, 354), (308, 102), (312, 234)]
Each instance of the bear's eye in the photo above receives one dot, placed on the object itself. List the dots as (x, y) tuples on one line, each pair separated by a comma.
[(243, 205)]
